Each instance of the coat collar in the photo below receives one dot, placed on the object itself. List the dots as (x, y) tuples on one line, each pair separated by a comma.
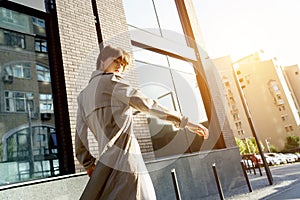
[(100, 73)]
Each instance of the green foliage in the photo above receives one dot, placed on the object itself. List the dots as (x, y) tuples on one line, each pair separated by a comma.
[(252, 145), (273, 149), (242, 146), (292, 142), (248, 146)]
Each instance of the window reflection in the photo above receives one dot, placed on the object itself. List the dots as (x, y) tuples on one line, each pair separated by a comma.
[(141, 14), (189, 96), (158, 17), (176, 90), (28, 147), (17, 70), (169, 20), (13, 39), (43, 73), (21, 156)]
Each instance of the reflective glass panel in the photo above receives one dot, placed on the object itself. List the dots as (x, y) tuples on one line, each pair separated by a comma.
[(169, 20), (156, 16), (141, 14), (28, 147), (175, 87)]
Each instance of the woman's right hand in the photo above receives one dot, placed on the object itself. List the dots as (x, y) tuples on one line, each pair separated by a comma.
[(90, 170), (198, 129)]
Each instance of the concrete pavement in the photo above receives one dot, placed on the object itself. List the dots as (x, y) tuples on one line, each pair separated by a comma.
[(286, 185)]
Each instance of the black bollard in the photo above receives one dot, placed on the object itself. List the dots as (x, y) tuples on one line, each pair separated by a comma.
[(246, 177), (258, 166), (218, 182), (259, 170), (175, 183)]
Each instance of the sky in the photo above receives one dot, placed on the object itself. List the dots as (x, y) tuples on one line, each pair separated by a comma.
[(241, 27)]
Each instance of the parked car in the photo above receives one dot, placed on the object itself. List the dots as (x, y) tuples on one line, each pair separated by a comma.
[(298, 155), (271, 160), (281, 158), (291, 157), (288, 159)]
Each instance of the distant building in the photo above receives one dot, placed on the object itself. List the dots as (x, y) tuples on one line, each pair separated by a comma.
[(235, 111), (26, 109), (292, 75), (269, 98)]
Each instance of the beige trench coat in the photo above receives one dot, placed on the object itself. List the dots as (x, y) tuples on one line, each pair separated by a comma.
[(105, 107)]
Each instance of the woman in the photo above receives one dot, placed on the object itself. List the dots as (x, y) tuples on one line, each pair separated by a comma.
[(105, 107)]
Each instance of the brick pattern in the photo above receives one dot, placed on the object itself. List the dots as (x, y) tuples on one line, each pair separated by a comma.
[(79, 43), (80, 50)]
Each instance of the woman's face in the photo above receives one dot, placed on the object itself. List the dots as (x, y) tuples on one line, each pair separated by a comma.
[(117, 66)]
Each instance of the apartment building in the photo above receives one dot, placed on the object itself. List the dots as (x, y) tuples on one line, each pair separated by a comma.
[(273, 110), (233, 103), (293, 79), (48, 52)]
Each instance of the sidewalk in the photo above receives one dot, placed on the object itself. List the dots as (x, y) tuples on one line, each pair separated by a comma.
[(286, 185)]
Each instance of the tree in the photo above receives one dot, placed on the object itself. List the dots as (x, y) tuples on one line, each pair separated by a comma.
[(248, 146), (254, 147), (242, 146), (292, 142)]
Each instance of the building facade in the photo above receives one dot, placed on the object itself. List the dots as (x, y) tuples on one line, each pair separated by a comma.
[(235, 111), (293, 79), (48, 52), (269, 98)]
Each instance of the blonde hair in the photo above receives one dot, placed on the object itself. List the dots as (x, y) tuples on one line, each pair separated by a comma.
[(108, 54)]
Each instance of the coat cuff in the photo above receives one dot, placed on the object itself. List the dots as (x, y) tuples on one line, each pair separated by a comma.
[(183, 123), (90, 163)]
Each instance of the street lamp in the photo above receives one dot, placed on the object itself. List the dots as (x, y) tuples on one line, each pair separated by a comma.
[(268, 145), (250, 121)]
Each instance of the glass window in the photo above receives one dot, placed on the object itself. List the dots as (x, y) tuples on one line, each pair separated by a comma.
[(169, 20), (156, 83), (28, 147), (189, 96), (43, 73), (46, 103), (13, 39), (17, 101), (175, 87), (141, 14), (29, 153), (38, 26), (18, 70), (38, 22), (150, 57), (158, 17), (13, 20), (40, 45)]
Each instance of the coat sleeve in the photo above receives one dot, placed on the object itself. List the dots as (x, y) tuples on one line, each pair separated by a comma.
[(136, 99), (81, 142)]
